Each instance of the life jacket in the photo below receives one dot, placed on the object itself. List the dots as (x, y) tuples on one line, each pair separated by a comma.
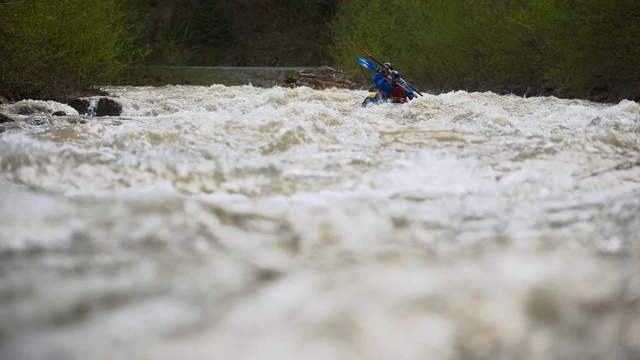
[(384, 86)]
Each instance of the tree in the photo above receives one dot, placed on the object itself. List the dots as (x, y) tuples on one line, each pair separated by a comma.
[(55, 49)]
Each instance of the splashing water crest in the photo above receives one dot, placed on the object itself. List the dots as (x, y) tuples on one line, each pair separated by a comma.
[(92, 108), (249, 223)]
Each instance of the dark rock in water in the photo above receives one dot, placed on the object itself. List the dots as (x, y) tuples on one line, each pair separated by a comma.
[(104, 107), (5, 119), (80, 105), (59, 113), (108, 107), (7, 123)]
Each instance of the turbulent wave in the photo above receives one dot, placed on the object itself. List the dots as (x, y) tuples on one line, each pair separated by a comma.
[(244, 223)]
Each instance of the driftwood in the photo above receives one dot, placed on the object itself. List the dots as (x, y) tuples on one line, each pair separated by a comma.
[(322, 78)]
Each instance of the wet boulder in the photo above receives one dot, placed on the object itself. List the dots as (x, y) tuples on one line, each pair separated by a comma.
[(7, 123), (5, 119), (96, 107)]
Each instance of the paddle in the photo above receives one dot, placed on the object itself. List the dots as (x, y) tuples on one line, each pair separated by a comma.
[(369, 65), (366, 52)]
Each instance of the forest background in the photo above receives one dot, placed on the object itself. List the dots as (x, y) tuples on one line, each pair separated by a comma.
[(590, 49)]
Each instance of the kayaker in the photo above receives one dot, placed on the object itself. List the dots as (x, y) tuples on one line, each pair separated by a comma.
[(390, 87)]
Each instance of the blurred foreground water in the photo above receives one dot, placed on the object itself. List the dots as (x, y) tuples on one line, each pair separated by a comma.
[(249, 223)]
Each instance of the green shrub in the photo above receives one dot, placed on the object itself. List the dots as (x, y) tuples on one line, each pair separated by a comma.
[(520, 46), (53, 49)]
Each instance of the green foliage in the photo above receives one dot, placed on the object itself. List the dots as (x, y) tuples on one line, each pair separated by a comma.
[(239, 32), (585, 44), (519, 46), (180, 32), (52, 49)]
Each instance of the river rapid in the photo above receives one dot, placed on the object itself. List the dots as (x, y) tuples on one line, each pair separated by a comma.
[(274, 223)]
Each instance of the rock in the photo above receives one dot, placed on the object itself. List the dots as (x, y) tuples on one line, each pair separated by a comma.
[(80, 105), (104, 107), (108, 107), (5, 119), (59, 113)]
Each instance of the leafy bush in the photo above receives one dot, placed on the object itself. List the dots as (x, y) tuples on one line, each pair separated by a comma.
[(182, 32), (239, 32), (54, 49)]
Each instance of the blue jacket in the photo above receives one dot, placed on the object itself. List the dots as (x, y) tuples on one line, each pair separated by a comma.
[(382, 84)]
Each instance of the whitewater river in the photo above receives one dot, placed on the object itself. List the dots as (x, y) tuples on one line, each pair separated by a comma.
[(292, 224)]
